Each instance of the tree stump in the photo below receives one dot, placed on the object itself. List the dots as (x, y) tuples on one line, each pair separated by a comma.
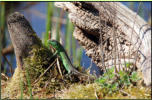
[(23, 37)]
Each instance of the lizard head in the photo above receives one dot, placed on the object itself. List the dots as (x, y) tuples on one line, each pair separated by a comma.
[(54, 43)]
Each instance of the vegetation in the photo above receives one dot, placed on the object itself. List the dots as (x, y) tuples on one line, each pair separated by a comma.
[(95, 91), (110, 85), (39, 75), (50, 8), (112, 82), (2, 29), (42, 79)]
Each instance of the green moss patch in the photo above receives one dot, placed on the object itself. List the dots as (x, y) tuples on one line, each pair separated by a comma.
[(95, 91)]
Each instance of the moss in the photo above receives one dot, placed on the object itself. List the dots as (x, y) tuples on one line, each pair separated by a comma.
[(13, 88), (98, 91), (79, 91), (34, 66), (132, 92), (38, 62), (94, 91)]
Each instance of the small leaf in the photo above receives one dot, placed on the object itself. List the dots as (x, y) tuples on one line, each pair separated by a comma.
[(128, 65), (112, 76), (121, 73), (134, 76), (126, 80), (102, 80), (114, 86)]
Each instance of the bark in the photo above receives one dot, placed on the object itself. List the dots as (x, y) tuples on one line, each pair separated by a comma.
[(111, 34), (22, 35)]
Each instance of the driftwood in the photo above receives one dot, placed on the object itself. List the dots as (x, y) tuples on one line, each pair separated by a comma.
[(125, 36)]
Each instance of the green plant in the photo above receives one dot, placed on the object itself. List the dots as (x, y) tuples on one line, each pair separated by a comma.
[(134, 76), (112, 81), (79, 56), (1, 18), (127, 64), (2, 31), (107, 81), (76, 51), (29, 85), (21, 87), (50, 7), (68, 31)]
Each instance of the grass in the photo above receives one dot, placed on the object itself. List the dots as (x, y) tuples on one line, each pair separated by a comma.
[(2, 30), (21, 87), (58, 24), (50, 8), (74, 48), (29, 85), (79, 56), (1, 18), (68, 36), (2, 22), (75, 52)]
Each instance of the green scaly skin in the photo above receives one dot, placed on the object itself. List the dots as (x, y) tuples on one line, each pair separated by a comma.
[(64, 58)]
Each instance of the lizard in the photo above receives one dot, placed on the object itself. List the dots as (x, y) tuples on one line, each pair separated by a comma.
[(65, 59)]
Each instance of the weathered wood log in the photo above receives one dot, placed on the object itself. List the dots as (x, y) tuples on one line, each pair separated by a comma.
[(126, 37)]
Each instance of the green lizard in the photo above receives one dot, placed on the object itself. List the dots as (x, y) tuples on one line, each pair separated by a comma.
[(64, 58)]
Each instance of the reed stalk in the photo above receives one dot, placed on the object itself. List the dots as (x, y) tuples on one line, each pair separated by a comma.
[(2, 30), (59, 24), (68, 33), (79, 55), (50, 8)]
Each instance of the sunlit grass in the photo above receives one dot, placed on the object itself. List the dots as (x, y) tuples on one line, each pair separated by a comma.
[(21, 87), (29, 85)]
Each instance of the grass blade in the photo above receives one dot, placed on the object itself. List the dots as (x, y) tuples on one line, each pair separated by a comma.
[(79, 55), (29, 85), (50, 7), (68, 35), (21, 86), (74, 50), (2, 31)]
